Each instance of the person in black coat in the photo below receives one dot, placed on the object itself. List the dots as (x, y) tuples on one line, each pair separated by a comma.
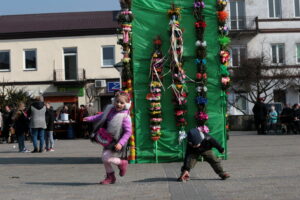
[(260, 116), (20, 124), (50, 118), (296, 118), (286, 119), (7, 124), (201, 144)]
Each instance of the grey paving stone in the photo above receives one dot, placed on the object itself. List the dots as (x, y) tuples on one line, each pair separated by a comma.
[(262, 167)]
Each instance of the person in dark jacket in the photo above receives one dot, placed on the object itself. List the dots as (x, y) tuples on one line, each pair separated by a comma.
[(7, 124), (50, 118), (286, 119), (296, 119), (20, 124), (83, 126), (37, 115), (201, 144), (260, 116)]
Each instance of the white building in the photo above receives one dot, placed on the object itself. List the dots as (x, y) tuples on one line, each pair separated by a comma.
[(60, 55), (271, 27)]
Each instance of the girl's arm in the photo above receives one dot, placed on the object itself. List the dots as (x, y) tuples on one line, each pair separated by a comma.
[(127, 130), (93, 118)]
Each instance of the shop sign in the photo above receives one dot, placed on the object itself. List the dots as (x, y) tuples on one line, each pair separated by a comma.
[(113, 86)]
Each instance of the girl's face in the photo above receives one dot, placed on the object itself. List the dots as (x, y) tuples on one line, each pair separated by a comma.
[(47, 105), (120, 103)]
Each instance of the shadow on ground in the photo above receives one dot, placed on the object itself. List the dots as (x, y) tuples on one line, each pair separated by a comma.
[(50, 160), (61, 183), (150, 180)]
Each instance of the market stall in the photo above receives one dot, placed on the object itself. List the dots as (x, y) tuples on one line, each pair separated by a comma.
[(65, 123)]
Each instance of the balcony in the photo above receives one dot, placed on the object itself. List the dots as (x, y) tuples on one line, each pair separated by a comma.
[(242, 25), (278, 25), (71, 77), (252, 25)]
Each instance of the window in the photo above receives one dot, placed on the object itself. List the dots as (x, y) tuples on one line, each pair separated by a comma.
[(277, 53), (4, 60), (240, 101), (298, 53), (70, 57), (108, 55), (238, 54), (30, 59), (237, 14), (275, 8), (297, 8)]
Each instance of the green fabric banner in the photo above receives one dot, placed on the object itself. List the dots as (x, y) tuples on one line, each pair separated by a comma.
[(150, 20)]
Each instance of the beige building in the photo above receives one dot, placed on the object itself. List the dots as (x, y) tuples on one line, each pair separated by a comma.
[(270, 28), (65, 57)]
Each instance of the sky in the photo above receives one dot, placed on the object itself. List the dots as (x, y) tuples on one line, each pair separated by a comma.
[(15, 7)]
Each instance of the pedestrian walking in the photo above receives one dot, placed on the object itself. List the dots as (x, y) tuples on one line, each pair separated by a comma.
[(50, 118), (37, 115), (91, 112), (83, 126), (20, 125), (113, 129), (201, 144), (260, 116)]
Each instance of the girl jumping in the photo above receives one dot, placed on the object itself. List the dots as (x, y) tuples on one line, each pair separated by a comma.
[(116, 121)]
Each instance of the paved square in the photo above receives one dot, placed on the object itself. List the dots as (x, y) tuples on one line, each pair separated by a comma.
[(261, 168)]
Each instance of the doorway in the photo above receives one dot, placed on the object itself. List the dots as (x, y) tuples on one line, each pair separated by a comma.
[(70, 57)]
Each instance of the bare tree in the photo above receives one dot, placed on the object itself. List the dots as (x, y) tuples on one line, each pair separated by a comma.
[(93, 92), (256, 77), (90, 92)]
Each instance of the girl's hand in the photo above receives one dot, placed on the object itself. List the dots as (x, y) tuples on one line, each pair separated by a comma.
[(84, 119), (118, 147)]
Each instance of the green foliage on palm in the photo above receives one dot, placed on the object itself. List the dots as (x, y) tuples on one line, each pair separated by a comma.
[(13, 96)]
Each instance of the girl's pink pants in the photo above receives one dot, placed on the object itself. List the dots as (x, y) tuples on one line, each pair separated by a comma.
[(108, 159)]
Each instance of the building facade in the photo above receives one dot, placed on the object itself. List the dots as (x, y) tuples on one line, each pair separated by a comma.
[(270, 28), (64, 57)]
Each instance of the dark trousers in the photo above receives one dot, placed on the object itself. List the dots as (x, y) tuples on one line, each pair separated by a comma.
[(296, 127), (260, 125), (208, 156), (5, 134), (21, 142)]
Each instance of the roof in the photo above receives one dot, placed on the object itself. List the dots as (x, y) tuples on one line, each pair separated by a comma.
[(99, 22)]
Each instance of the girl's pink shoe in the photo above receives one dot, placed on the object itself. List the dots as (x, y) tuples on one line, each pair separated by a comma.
[(110, 179), (123, 167)]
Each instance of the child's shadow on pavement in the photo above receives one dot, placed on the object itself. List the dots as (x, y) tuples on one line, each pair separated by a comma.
[(168, 179), (61, 183), (150, 180)]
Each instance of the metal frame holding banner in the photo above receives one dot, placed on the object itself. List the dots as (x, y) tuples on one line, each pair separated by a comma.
[(145, 29)]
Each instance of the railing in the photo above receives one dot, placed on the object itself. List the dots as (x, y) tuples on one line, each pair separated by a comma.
[(263, 25), (69, 75), (242, 23)]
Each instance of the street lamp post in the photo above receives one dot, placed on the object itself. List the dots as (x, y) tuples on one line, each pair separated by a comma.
[(119, 67)]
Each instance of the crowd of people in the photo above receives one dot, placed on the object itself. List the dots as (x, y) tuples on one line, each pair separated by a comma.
[(269, 120), (37, 123)]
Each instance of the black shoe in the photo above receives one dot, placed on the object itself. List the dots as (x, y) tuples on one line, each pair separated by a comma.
[(35, 151), (41, 150), (224, 176)]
